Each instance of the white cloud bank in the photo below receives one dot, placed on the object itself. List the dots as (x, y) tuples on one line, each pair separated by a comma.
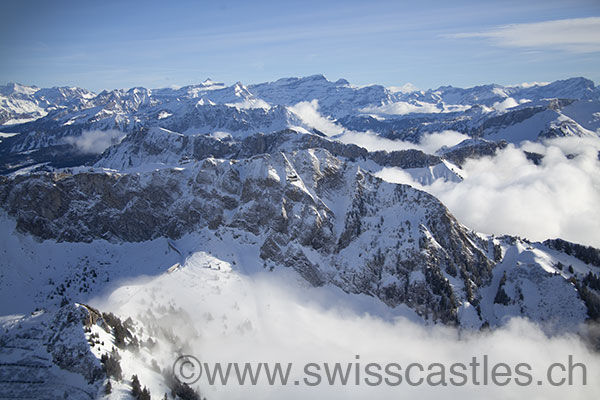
[(504, 105), (576, 35), (308, 112), (95, 141), (406, 88), (272, 317), (403, 108), (430, 142), (508, 194)]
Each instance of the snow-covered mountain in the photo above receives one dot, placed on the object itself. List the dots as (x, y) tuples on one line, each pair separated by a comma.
[(67, 237), (304, 209), (490, 95), (41, 125), (20, 103), (141, 196)]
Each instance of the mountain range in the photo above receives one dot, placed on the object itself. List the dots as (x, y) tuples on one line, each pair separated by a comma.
[(211, 181)]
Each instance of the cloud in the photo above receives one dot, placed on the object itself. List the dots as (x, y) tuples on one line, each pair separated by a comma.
[(504, 105), (508, 194), (403, 108), (95, 141), (530, 84), (308, 111), (406, 88), (575, 35), (430, 142), (273, 317), (373, 142)]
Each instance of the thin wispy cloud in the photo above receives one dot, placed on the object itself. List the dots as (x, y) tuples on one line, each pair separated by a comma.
[(576, 35), (95, 141)]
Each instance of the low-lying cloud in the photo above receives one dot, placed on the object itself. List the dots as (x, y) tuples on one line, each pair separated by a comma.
[(273, 317), (403, 108), (95, 141), (308, 111), (429, 143), (406, 88), (432, 142), (505, 194), (504, 105), (508, 194)]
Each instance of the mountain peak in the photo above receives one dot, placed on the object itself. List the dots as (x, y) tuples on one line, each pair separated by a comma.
[(579, 81), (17, 88), (316, 77)]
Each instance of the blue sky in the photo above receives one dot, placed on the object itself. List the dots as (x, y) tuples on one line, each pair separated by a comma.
[(120, 44)]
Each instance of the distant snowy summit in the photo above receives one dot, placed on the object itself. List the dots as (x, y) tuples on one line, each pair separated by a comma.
[(19, 102)]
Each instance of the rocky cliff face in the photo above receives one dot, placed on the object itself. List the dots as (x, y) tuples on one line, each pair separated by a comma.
[(240, 161), (47, 355), (308, 210), (328, 219), (157, 146)]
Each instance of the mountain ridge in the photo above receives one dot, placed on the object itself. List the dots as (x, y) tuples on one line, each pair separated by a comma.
[(49, 123)]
